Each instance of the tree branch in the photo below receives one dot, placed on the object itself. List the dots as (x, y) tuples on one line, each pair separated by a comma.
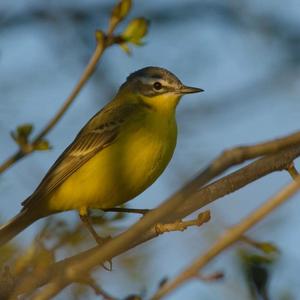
[(83, 79), (180, 225), (292, 170), (144, 229), (229, 237)]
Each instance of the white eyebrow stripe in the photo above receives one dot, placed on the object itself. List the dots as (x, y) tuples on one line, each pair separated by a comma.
[(150, 81)]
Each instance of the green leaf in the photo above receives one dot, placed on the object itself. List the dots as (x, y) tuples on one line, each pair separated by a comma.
[(136, 31), (268, 248), (259, 259), (21, 134), (125, 48), (24, 130), (121, 10)]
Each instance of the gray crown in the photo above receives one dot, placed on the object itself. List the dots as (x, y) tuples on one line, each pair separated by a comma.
[(156, 73)]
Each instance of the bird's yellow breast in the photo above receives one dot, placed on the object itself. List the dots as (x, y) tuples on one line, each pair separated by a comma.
[(124, 169)]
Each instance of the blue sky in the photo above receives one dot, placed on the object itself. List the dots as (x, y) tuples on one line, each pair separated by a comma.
[(243, 54)]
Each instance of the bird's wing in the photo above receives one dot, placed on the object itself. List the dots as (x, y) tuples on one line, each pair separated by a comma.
[(100, 132)]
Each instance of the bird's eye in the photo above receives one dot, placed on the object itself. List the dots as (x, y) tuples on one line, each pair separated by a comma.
[(157, 85)]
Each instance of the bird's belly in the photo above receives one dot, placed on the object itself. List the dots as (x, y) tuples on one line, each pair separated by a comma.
[(118, 173), (147, 158)]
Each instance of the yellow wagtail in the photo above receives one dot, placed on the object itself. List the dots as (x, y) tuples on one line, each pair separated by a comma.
[(121, 151)]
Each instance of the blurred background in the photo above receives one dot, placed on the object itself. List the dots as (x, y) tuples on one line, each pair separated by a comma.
[(244, 54)]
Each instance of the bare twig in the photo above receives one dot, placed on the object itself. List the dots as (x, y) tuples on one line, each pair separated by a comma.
[(238, 155), (97, 289), (108, 40), (239, 179), (212, 277), (11, 160), (83, 79), (228, 238), (180, 225), (292, 170)]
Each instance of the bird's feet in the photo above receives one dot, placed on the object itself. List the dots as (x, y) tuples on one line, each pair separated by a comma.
[(99, 240), (87, 222)]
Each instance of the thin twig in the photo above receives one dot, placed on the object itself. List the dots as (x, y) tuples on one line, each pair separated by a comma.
[(228, 238), (180, 225), (211, 277), (87, 73), (240, 154), (292, 170), (89, 281), (238, 179), (89, 70), (104, 41)]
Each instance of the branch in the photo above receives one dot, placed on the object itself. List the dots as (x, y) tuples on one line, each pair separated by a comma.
[(180, 225), (229, 237), (292, 170), (89, 70), (83, 79), (210, 193), (238, 155), (51, 289), (144, 229), (238, 179)]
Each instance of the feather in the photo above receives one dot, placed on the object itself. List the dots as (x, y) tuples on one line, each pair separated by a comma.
[(100, 132)]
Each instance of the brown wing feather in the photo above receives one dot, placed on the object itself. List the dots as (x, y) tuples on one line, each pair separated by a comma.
[(100, 132)]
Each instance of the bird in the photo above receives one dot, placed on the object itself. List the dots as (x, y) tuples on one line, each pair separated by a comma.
[(118, 154)]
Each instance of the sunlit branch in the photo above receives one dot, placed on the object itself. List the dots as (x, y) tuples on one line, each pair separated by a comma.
[(180, 225), (144, 229), (228, 238), (292, 170)]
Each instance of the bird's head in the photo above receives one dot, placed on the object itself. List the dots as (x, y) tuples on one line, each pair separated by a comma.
[(156, 87)]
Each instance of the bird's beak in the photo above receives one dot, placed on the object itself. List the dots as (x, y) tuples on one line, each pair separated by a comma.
[(189, 90)]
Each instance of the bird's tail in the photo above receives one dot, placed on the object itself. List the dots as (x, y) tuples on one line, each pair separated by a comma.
[(21, 221)]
